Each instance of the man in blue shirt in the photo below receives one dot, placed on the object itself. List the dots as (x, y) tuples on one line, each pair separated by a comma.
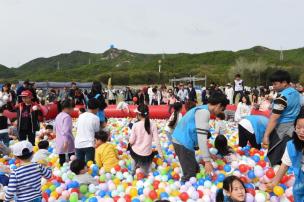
[(192, 132), (285, 110)]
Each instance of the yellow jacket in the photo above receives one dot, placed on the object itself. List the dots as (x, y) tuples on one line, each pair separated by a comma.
[(106, 156)]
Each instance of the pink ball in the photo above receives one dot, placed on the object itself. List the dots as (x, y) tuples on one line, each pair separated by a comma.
[(249, 198), (73, 157), (274, 199)]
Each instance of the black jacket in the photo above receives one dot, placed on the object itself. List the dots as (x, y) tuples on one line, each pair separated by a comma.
[(34, 117)]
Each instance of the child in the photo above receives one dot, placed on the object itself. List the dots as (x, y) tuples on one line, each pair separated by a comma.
[(103, 127), (13, 130), (243, 108), (25, 181), (223, 150), (220, 126), (140, 142), (233, 190), (175, 117), (42, 154), (47, 133), (293, 157), (81, 111), (105, 154), (80, 169), (4, 124)]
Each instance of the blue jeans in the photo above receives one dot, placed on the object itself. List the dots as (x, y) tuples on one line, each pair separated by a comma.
[(86, 154), (4, 138)]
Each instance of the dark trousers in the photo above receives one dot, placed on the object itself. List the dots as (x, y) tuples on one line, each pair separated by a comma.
[(27, 134), (86, 154), (235, 94), (276, 148), (187, 161), (245, 136), (63, 159), (112, 102)]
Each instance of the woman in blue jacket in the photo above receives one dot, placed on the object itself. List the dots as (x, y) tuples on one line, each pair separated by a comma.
[(293, 157)]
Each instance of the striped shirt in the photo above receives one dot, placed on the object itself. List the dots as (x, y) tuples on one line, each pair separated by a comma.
[(25, 182)]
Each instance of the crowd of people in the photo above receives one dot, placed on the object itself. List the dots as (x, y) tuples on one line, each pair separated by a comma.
[(281, 133)]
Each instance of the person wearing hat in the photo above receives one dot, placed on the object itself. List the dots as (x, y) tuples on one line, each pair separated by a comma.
[(229, 93), (25, 86), (25, 181), (27, 117)]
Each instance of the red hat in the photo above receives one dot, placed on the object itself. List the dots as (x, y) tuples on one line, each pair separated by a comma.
[(26, 93)]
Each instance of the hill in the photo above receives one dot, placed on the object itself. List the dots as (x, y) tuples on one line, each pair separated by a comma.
[(135, 68)]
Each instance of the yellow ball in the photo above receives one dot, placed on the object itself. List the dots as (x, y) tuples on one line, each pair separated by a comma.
[(159, 162), (54, 194), (175, 193), (278, 190), (133, 192), (89, 163), (35, 149), (116, 181), (134, 183), (220, 185), (44, 187)]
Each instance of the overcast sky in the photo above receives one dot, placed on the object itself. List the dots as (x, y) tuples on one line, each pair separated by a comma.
[(43, 28)]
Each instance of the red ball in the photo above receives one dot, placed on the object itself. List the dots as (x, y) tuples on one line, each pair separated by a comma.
[(200, 193), (128, 198), (116, 198), (243, 168), (243, 179), (176, 176), (153, 195), (75, 190), (135, 99), (262, 163), (141, 176), (284, 179), (270, 173), (155, 184), (184, 196), (251, 191), (117, 168), (220, 167)]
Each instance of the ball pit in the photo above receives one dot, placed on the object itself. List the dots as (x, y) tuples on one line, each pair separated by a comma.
[(163, 182)]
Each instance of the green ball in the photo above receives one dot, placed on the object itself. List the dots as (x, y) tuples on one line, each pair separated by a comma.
[(199, 175), (102, 178), (83, 189), (52, 188), (163, 172), (73, 197), (71, 176), (148, 200)]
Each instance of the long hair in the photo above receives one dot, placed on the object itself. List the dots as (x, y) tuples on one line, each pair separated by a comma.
[(227, 186), (299, 144), (177, 107), (221, 144), (247, 99), (143, 111)]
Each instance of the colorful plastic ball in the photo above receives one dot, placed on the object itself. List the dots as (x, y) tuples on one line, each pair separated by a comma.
[(227, 168), (184, 196), (133, 192), (164, 195), (278, 190), (153, 195), (270, 173), (258, 171), (94, 199), (249, 198), (251, 174), (259, 197), (243, 168), (73, 197), (83, 189), (221, 177)]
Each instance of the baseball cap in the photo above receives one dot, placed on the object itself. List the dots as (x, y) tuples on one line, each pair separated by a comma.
[(26, 93), (19, 147)]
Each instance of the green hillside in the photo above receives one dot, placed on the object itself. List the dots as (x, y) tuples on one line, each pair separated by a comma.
[(134, 68)]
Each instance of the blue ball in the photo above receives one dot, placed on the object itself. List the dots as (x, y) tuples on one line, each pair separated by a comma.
[(11, 161), (83, 199), (201, 181), (135, 200), (50, 149), (283, 186), (48, 192), (256, 158), (156, 173), (102, 194), (93, 199), (220, 177), (227, 168), (249, 186), (251, 174), (164, 195), (140, 191)]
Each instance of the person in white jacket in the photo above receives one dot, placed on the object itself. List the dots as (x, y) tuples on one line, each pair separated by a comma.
[(229, 93), (43, 153), (243, 109)]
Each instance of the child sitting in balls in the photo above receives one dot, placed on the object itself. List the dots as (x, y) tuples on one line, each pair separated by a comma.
[(220, 126), (105, 154), (233, 190), (47, 133), (79, 167), (293, 157), (223, 150), (25, 181), (41, 155)]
